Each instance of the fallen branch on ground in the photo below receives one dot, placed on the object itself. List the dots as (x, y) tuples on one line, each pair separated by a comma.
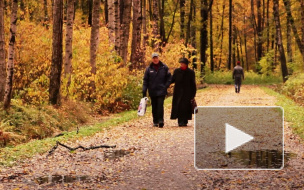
[(79, 147)]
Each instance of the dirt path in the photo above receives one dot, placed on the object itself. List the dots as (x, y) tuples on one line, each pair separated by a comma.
[(156, 158)]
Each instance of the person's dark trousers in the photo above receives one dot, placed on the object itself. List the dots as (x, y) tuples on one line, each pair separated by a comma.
[(182, 122), (158, 109), (238, 82)]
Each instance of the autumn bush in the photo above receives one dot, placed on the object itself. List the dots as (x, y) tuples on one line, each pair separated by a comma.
[(24, 122), (294, 87)]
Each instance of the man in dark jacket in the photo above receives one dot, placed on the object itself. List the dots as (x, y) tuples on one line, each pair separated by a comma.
[(238, 75), (157, 79), (184, 92)]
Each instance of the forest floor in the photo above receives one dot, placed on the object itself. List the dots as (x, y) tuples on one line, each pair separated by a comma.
[(155, 158)]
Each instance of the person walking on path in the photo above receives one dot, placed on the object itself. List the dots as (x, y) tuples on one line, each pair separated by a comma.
[(157, 80), (184, 92), (238, 75)]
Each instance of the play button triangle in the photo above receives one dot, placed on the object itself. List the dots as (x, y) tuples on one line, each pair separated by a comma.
[(235, 138)]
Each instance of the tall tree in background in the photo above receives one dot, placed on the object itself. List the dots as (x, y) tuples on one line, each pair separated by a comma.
[(117, 24), (182, 18), (259, 30), (94, 35), (211, 41), (294, 28), (190, 19), (2, 52), (205, 8), (222, 35), (288, 36), (136, 51), (10, 62), (125, 29), (155, 21), (230, 35), (144, 22), (69, 41), (279, 39), (111, 21), (45, 8), (56, 67)]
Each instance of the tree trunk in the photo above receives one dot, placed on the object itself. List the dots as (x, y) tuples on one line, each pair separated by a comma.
[(279, 39), (294, 28), (90, 3), (233, 47), (259, 32), (155, 21), (182, 18), (189, 23), (211, 42), (111, 21), (45, 7), (106, 12), (267, 24), (204, 33), (94, 35), (230, 35), (254, 31), (162, 22), (56, 67), (144, 23), (125, 29), (2, 52), (10, 63), (193, 37), (245, 43), (117, 23), (222, 35), (136, 50), (69, 41), (289, 49)]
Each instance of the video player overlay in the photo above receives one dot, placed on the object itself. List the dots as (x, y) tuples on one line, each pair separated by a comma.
[(245, 138)]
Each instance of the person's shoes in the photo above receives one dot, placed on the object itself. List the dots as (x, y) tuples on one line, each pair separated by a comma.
[(155, 125), (236, 90), (182, 124), (161, 125)]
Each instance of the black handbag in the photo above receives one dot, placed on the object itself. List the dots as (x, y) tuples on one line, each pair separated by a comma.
[(193, 105)]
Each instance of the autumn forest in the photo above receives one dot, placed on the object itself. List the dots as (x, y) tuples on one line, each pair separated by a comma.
[(54, 52)]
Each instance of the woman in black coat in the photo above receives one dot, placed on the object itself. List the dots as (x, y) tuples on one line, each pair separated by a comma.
[(184, 92)]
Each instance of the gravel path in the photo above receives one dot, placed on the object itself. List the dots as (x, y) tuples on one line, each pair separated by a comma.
[(155, 158)]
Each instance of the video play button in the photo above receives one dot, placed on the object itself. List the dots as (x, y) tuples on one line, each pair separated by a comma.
[(247, 137), (235, 138)]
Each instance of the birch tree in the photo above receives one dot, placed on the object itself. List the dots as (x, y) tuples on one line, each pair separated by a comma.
[(69, 41), (2, 52), (10, 63)]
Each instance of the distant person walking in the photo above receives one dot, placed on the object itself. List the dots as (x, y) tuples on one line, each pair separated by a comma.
[(238, 75), (157, 79), (184, 92)]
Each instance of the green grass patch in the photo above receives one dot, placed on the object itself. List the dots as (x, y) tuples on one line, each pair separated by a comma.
[(225, 77), (292, 111)]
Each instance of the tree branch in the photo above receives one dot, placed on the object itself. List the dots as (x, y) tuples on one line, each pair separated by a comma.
[(79, 147)]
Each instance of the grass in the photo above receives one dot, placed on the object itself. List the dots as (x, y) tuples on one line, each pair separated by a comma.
[(225, 77), (11, 155), (292, 111)]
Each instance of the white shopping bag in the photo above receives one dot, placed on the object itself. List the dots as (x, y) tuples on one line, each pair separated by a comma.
[(142, 106)]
